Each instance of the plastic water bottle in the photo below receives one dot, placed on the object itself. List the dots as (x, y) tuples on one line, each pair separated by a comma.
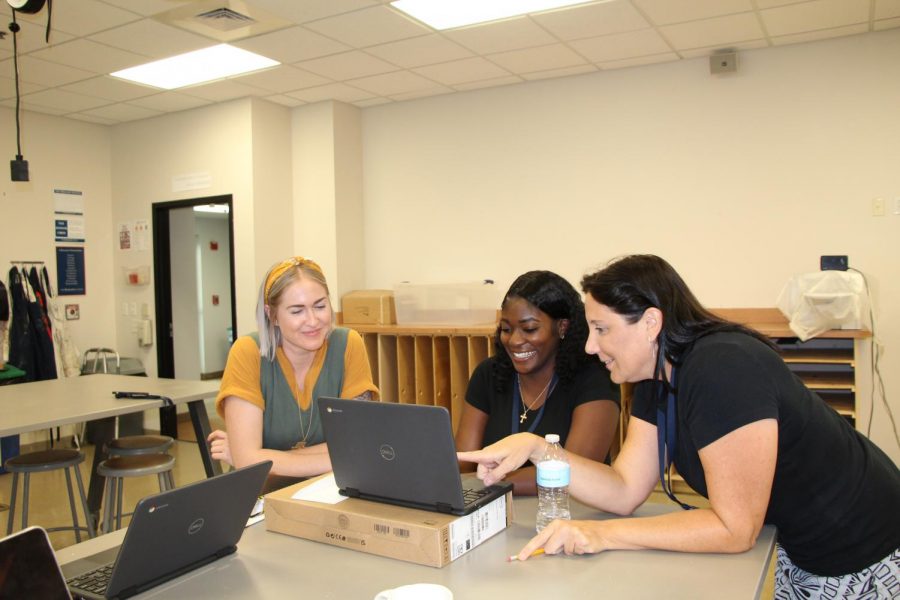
[(552, 483)]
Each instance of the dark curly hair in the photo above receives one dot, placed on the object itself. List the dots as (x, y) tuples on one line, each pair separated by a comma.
[(557, 298), (631, 284)]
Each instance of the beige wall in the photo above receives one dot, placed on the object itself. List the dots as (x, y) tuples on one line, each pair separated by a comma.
[(739, 181)]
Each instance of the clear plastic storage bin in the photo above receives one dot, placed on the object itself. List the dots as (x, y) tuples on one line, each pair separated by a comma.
[(454, 304)]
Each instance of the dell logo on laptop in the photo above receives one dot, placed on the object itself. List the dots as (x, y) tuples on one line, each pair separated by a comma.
[(386, 452), (195, 526)]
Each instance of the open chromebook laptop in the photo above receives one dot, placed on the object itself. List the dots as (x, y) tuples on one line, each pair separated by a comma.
[(400, 454), (28, 567), (171, 533)]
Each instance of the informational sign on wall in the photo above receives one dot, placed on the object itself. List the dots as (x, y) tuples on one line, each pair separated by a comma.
[(70, 271), (68, 216)]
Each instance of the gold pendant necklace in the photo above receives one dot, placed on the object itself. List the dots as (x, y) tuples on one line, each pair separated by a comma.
[(525, 407), (312, 408)]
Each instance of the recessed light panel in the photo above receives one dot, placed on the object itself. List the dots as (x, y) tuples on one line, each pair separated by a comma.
[(447, 14)]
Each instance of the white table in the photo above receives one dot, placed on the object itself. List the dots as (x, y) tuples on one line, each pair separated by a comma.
[(273, 565), (38, 405)]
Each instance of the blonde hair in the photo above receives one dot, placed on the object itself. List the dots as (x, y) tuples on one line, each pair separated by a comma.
[(277, 280)]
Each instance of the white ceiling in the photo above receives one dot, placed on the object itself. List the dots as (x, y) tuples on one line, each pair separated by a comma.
[(365, 53)]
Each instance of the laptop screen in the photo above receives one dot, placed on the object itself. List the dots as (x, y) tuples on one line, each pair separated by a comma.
[(28, 567)]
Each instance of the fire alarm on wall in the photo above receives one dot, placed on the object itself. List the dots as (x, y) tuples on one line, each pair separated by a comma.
[(214, 245)]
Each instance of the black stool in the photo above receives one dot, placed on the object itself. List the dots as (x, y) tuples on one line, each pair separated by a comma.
[(117, 468)]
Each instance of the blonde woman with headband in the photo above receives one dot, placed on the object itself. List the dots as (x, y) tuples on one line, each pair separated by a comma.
[(273, 378)]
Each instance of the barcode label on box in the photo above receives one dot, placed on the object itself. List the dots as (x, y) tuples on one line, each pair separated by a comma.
[(401, 533), (382, 529), (472, 529)]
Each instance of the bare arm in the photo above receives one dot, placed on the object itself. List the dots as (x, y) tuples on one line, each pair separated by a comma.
[(739, 469), (244, 422)]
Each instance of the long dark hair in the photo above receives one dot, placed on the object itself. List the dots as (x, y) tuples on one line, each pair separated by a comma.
[(557, 298), (630, 285)]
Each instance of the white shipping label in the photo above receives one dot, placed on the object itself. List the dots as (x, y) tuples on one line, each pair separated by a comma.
[(469, 531)]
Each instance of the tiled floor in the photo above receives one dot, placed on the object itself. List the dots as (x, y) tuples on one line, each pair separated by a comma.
[(49, 505)]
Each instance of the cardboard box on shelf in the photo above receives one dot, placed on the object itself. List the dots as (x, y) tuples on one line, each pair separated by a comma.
[(368, 307), (418, 536)]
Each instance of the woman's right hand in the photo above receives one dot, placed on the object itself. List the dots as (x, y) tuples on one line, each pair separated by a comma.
[(498, 459), (218, 446)]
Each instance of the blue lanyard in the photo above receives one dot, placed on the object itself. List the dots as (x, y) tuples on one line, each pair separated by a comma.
[(666, 437), (517, 400)]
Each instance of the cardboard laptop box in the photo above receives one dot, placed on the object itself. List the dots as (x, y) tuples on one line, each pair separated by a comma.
[(418, 536), (368, 307)]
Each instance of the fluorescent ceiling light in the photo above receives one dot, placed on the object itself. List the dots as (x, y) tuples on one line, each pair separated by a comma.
[(446, 14), (199, 66), (212, 208)]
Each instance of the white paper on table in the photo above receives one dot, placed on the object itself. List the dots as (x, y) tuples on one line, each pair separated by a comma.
[(325, 491)]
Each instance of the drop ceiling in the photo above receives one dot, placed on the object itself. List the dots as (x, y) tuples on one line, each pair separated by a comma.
[(365, 53)]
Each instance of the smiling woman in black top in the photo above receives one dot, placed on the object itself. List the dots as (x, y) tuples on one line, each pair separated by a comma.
[(540, 379)]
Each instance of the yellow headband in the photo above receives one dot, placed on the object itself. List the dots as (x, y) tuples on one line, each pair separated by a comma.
[(283, 266)]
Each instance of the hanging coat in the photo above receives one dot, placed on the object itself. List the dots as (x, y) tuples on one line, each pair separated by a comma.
[(40, 326), (21, 343)]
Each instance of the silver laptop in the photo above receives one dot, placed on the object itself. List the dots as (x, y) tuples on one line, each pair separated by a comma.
[(28, 567), (172, 533), (400, 454)]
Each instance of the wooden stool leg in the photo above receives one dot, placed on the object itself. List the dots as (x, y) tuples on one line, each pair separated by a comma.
[(12, 503), (71, 492)]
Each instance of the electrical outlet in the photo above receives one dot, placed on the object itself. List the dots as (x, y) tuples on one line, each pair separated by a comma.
[(834, 262), (877, 207)]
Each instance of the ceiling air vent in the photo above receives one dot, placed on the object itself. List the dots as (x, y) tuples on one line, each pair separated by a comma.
[(224, 19)]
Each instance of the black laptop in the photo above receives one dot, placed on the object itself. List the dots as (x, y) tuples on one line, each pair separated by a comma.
[(172, 533), (28, 567), (400, 454)]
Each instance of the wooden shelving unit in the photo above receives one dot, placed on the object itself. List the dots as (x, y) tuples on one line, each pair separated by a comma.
[(426, 365)]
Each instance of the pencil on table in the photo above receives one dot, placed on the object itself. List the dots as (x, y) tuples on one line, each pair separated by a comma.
[(537, 552)]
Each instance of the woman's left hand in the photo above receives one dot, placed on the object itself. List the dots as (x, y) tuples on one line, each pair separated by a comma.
[(219, 447), (569, 537)]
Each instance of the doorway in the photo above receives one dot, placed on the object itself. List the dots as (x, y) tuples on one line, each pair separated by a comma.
[(193, 258)]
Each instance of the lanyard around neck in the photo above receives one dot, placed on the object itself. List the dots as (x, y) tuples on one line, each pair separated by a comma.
[(517, 399), (666, 437)]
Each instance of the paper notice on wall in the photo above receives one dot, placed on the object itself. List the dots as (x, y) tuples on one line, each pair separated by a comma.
[(141, 234), (68, 216), (125, 234)]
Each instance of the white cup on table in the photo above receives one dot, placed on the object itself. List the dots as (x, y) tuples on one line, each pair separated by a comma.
[(417, 591)]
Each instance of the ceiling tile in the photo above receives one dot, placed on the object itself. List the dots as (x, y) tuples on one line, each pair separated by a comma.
[(374, 101), (420, 51), (336, 91), (31, 37), (434, 91), (68, 101), (886, 9), (705, 52), (566, 72), (809, 16), (285, 100), (592, 20), (487, 83), (110, 88), (501, 36), (389, 84), (312, 10), (761, 4), (85, 17), (666, 12), (712, 32), (639, 62), (91, 119), (292, 45), (621, 45), (283, 79), (122, 112), (34, 107), (152, 38), (459, 71), (8, 87), (821, 34), (369, 26), (529, 60), (224, 89), (169, 101), (43, 72), (90, 56), (348, 65)]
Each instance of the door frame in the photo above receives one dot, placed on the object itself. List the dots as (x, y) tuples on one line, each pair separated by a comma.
[(162, 276)]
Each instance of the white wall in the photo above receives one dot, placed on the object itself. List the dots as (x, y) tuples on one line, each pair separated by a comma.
[(215, 281), (739, 181), (183, 240)]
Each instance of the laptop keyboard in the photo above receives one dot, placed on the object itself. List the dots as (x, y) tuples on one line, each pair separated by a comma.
[(95, 581), (471, 496)]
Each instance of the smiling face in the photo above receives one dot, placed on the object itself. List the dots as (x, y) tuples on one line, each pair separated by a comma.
[(627, 349), (303, 314), (530, 336)]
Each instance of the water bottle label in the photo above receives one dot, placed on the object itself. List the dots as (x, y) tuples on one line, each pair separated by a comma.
[(552, 473)]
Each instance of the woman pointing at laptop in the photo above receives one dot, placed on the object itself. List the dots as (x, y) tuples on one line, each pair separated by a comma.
[(744, 431), (272, 377)]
